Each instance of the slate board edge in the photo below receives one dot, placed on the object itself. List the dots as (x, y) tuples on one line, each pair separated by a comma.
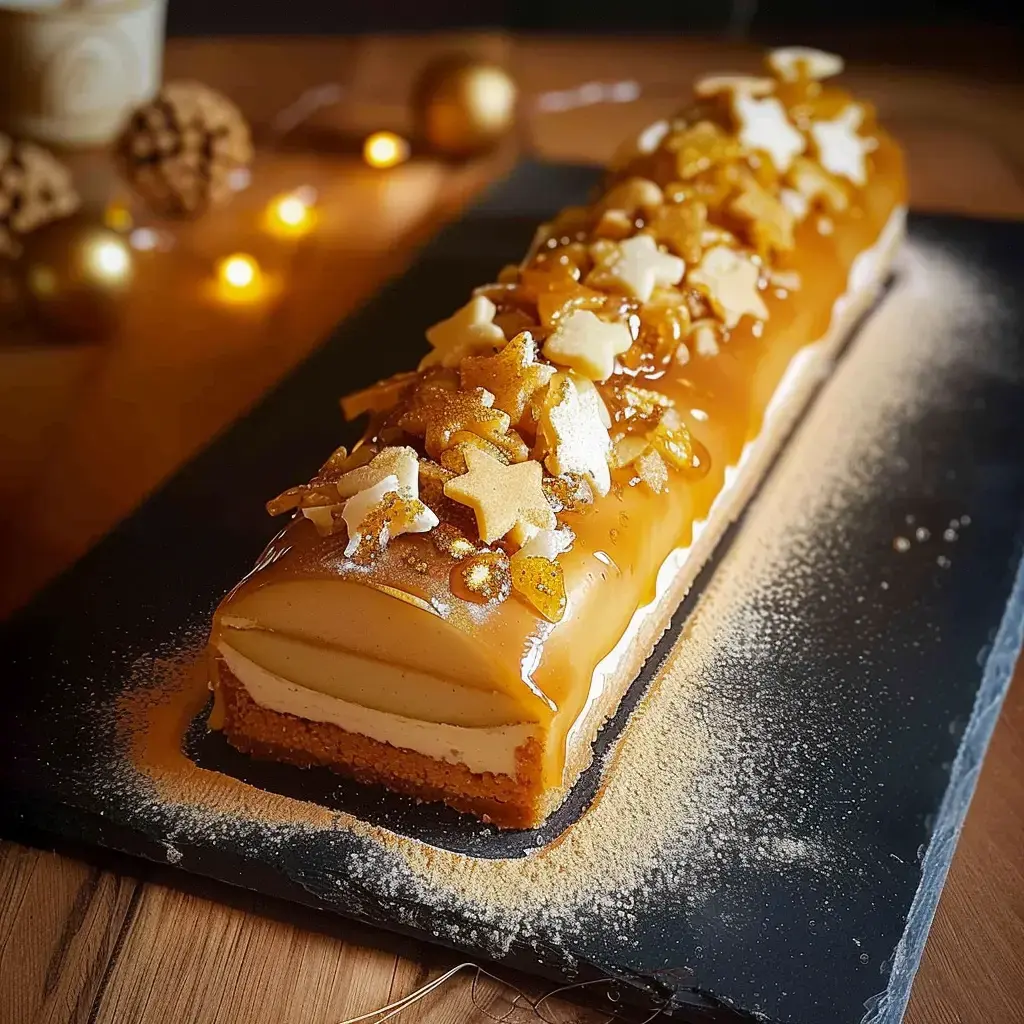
[(889, 1006)]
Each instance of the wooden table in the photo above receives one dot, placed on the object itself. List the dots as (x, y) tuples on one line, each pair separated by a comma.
[(87, 431)]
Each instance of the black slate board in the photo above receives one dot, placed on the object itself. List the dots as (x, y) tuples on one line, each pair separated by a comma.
[(914, 678)]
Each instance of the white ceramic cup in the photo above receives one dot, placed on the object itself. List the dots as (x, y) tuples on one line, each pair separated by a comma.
[(71, 69)]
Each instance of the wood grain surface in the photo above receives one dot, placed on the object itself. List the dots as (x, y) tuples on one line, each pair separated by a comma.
[(107, 423)]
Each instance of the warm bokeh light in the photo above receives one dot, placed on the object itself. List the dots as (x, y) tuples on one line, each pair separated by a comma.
[(292, 214), (239, 278), (118, 217), (108, 259), (385, 149)]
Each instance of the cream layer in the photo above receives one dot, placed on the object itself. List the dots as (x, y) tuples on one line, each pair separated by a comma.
[(493, 748)]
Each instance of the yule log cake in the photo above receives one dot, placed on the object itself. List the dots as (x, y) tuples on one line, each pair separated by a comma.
[(458, 604)]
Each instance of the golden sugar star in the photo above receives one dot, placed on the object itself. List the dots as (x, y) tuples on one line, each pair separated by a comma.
[(765, 126), (701, 147), (730, 281), (503, 498), (573, 426), (468, 331), (811, 182), (771, 224), (400, 462), (841, 150), (637, 266), (512, 375), (793, 63), (680, 227), (587, 344), (436, 413)]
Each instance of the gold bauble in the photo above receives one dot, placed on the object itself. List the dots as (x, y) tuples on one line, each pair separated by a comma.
[(76, 274), (462, 105)]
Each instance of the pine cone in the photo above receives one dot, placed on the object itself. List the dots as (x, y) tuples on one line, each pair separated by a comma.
[(179, 149), (35, 188)]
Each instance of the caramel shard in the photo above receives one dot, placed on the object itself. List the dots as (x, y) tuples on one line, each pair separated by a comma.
[(771, 223), (541, 582)]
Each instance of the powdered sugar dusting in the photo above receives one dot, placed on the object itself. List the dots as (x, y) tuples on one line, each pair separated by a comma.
[(702, 785)]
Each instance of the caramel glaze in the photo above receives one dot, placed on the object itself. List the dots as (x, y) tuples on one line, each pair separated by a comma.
[(623, 539)]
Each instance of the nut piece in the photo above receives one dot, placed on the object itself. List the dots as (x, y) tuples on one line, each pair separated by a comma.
[(791, 63), (179, 150)]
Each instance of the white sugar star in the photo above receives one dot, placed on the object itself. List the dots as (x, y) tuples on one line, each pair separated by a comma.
[(731, 282), (841, 150), (577, 439), (792, 61), (469, 331), (640, 266), (587, 344), (765, 126)]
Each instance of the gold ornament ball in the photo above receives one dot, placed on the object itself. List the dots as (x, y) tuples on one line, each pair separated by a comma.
[(76, 275), (462, 106)]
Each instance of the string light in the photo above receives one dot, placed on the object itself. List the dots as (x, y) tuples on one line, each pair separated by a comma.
[(239, 278), (385, 149), (292, 214), (108, 260)]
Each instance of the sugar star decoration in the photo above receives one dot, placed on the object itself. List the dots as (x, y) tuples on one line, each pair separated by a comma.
[(512, 375), (764, 126), (469, 331), (587, 344), (771, 222), (408, 515), (503, 498), (718, 85), (841, 150), (437, 413), (572, 424), (638, 266), (399, 462), (791, 63), (730, 280)]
